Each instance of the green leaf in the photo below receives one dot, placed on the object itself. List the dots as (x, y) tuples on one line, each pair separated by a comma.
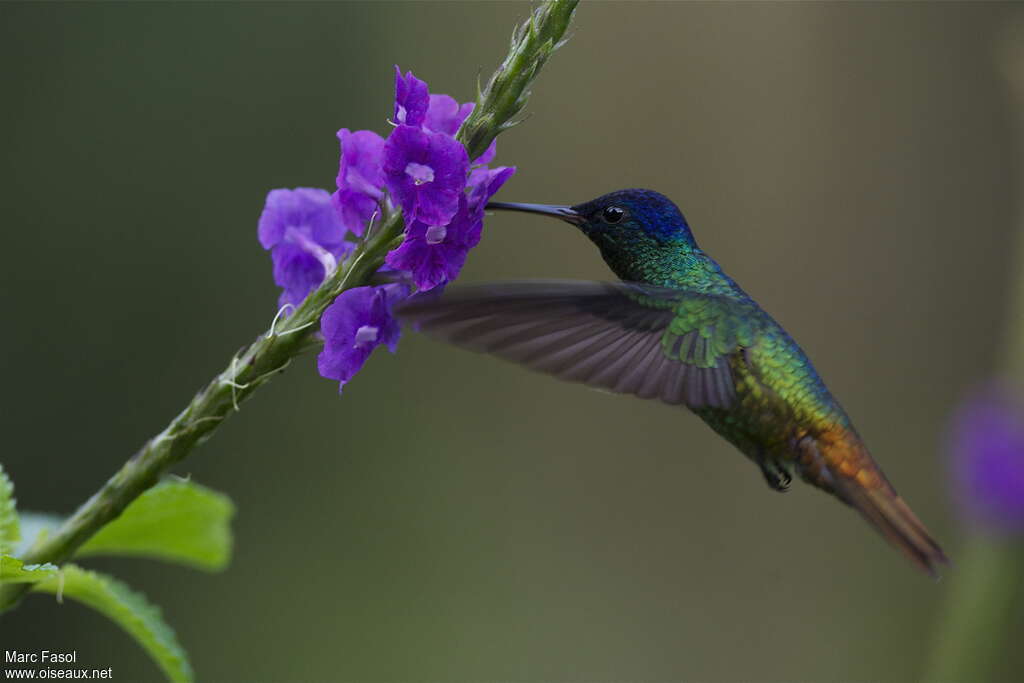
[(13, 570), (130, 610), (176, 521), (9, 535)]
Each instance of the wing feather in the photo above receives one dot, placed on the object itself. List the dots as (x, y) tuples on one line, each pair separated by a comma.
[(652, 342)]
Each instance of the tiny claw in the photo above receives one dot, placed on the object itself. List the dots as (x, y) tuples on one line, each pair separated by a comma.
[(777, 477)]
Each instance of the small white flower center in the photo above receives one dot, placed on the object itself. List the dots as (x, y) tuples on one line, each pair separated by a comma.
[(436, 233), (401, 114), (419, 173), (366, 334)]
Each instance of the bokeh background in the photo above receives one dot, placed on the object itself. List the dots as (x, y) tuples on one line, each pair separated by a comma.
[(453, 518)]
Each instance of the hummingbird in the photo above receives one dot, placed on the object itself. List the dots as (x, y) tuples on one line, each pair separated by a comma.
[(678, 329)]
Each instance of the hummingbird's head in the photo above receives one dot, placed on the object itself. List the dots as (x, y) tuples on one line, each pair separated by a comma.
[(632, 228), (621, 218), (632, 216)]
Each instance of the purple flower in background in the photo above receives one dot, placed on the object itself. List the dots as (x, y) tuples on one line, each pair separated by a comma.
[(354, 325), (411, 99), (987, 453), (426, 173), (434, 254), (305, 239), (359, 178)]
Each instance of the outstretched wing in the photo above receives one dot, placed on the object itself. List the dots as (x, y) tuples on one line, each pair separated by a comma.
[(628, 338)]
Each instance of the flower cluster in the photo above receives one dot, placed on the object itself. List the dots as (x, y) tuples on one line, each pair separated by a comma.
[(422, 169), (987, 459)]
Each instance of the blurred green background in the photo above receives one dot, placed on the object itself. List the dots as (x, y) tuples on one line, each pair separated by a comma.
[(453, 518)]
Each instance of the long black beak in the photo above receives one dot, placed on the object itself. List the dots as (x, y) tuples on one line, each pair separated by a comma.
[(564, 212)]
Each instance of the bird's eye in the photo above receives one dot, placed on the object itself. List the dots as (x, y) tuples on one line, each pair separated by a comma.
[(612, 214)]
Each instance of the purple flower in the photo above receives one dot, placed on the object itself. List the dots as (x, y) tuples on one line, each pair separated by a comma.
[(354, 325), (987, 453), (411, 99), (434, 254), (359, 178), (305, 239), (484, 183), (426, 173), (445, 115), (489, 153)]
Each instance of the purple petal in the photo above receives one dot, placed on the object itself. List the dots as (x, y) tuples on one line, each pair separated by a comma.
[(359, 178), (489, 153), (438, 205), (411, 99), (270, 228), (297, 271), (358, 321), (465, 228), (405, 145), (411, 156), (426, 263), (434, 255), (391, 331), (445, 115), (987, 453), (304, 207), (484, 183), (361, 153), (305, 237), (354, 209)]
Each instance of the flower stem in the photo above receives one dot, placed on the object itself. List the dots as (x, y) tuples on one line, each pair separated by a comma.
[(506, 93), (272, 352), (979, 611)]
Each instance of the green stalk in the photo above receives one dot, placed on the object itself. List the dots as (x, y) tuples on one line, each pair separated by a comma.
[(979, 612), (272, 352)]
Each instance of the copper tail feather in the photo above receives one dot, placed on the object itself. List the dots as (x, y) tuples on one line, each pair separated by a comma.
[(839, 463)]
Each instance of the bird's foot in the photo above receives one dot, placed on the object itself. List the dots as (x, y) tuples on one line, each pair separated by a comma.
[(776, 475)]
